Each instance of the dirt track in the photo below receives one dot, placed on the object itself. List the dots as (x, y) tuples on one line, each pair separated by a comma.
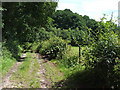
[(6, 83)]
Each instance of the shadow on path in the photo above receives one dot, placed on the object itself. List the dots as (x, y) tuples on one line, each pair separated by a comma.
[(82, 79)]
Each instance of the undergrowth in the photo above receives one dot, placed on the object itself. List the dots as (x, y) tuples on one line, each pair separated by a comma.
[(7, 61)]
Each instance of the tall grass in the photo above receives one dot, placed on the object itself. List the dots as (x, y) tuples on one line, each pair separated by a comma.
[(7, 61), (52, 74), (69, 64)]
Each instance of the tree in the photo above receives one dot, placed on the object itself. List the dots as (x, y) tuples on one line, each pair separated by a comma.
[(80, 38), (101, 55), (66, 19), (21, 18)]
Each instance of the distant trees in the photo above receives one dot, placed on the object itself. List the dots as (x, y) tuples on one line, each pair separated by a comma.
[(78, 24), (66, 19)]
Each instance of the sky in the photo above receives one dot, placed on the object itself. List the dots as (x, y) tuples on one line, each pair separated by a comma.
[(92, 8)]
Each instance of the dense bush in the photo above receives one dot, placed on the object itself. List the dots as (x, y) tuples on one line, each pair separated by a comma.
[(7, 60), (27, 45), (101, 56), (43, 34), (70, 59), (36, 46), (54, 47), (14, 48), (71, 35)]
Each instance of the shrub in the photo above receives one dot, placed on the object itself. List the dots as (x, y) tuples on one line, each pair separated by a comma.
[(35, 46), (70, 60), (7, 60), (14, 48), (27, 45), (54, 47), (101, 56)]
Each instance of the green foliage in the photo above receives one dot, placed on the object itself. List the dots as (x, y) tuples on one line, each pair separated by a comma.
[(21, 23), (79, 37), (102, 54), (14, 47), (7, 60), (36, 46), (91, 23), (70, 59), (64, 34), (66, 19), (23, 17), (73, 36), (43, 34), (27, 45), (54, 47)]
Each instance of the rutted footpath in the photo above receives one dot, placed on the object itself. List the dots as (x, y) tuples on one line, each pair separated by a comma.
[(44, 83), (32, 72)]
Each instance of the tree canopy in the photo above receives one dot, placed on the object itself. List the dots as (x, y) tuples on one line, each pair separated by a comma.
[(23, 17)]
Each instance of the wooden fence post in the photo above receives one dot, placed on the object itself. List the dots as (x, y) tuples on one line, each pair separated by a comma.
[(79, 53)]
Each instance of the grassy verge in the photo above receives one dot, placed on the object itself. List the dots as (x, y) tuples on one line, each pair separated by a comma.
[(73, 69), (71, 75), (68, 71), (53, 74), (25, 76), (7, 61), (76, 76)]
